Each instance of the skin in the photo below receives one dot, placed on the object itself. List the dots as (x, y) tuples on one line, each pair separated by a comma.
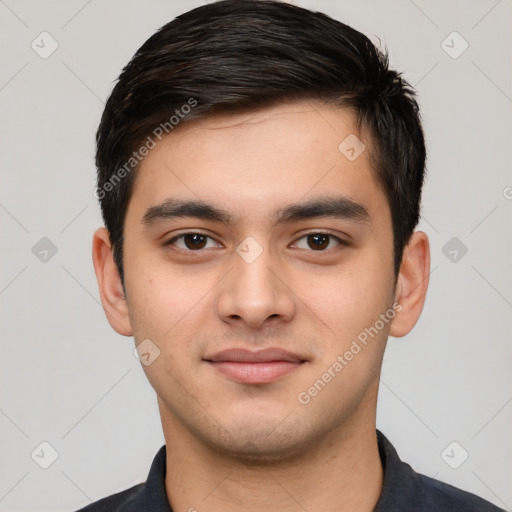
[(233, 445)]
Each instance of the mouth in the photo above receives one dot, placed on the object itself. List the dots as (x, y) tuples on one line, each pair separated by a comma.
[(255, 367)]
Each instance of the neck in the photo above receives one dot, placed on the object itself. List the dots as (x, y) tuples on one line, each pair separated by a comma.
[(341, 472)]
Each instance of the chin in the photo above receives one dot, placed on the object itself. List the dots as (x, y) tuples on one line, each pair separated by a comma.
[(261, 452), (263, 440)]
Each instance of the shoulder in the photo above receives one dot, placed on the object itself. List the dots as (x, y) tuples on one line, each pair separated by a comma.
[(440, 496), (115, 502), (404, 489), (149, 495)]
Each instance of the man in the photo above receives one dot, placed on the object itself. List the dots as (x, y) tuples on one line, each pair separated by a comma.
[(260, 171)]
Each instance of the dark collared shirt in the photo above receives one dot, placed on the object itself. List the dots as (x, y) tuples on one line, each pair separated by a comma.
[(403, 490)]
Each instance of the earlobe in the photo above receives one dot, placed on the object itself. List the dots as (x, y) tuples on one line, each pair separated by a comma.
[(109, 283), (412, 284)]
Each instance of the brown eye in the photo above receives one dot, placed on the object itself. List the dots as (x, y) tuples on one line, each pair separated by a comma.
[(319, 242), (192, 241)]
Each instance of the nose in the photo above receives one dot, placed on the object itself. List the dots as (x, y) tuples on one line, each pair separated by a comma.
[(255, 293)]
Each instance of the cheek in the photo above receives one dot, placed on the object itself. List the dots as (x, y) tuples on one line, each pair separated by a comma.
[(168, 306), (157, 299), (343, 304), (169, 310)]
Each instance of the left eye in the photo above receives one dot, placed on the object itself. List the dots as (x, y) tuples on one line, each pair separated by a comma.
[(192, 241), (319, 241)]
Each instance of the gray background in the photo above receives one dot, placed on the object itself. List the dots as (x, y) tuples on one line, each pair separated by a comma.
[(71, 381)]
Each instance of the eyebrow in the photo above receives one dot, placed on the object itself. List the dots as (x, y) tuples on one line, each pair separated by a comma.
[(325, 206)]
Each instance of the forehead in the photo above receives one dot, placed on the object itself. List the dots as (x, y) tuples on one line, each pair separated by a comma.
[(254, 163)]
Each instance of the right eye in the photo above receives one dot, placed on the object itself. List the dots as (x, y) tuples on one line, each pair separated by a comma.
[(191, 241)]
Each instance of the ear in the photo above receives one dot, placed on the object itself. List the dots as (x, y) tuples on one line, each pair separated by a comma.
[(412, 284), (109, 282)]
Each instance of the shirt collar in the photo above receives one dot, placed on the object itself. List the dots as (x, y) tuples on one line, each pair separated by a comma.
[(399, 483), (153, 494)]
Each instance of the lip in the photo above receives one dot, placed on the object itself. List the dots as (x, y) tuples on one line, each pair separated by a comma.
[(255, 367)]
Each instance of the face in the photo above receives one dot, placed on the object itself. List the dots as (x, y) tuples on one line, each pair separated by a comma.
[(259, 264)]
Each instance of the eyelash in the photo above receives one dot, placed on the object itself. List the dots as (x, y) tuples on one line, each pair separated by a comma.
[(340, 241)]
